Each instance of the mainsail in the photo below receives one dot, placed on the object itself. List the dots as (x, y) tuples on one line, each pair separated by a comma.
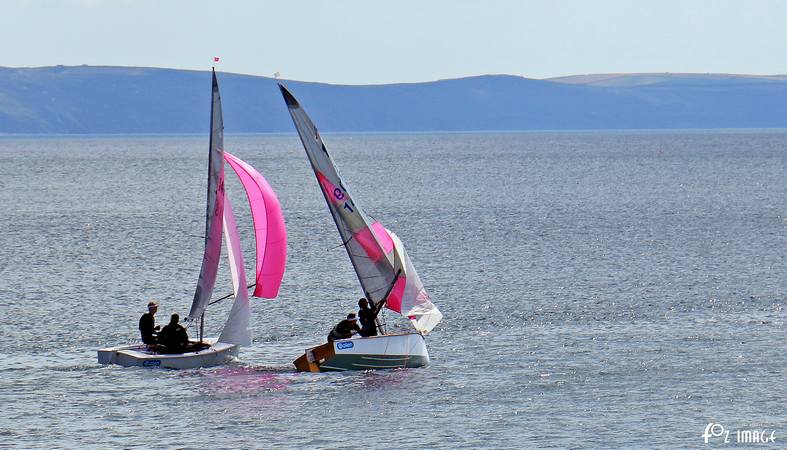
[(214, 212), (377, 255), (269, 230)]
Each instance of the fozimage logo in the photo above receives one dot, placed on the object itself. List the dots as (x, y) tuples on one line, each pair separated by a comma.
[(726, 436)]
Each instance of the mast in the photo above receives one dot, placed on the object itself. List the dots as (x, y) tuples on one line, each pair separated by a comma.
[(214, 208), (358, 232), (376, 254)]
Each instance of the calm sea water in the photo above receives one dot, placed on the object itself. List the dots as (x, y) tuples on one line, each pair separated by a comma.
[(599, 290)]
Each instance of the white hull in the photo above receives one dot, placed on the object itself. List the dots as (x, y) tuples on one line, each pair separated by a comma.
[(393, 351), (136, 355)]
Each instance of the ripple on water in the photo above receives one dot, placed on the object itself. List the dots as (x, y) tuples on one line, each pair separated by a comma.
[(600, 290)]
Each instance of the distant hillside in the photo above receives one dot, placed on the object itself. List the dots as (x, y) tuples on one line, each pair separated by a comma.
[(89, 99)]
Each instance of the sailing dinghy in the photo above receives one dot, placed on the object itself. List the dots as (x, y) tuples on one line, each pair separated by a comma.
[(384, 271), (271, 253)]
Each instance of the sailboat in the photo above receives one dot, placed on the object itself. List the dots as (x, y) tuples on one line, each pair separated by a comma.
[(271, 255), (384, 271)]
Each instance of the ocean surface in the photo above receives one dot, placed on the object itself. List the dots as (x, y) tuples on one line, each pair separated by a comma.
[(605, 289)]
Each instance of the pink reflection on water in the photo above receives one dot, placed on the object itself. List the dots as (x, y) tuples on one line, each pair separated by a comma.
[(371, 380), (245, 380)]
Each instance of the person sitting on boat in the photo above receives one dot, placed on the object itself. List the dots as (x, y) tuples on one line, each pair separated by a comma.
[(147, 325), (173, 337), (368, 316), (345, 329)]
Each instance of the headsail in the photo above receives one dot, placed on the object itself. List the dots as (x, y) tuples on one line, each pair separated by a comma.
[(269, 230), (408, 296), (236, 329), (376, 255), (214, 210)]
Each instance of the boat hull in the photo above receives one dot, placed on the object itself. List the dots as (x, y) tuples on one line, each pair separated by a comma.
[(393, 351), (136, 355)]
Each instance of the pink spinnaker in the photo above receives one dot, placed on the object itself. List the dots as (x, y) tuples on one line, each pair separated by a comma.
[(269, 230)]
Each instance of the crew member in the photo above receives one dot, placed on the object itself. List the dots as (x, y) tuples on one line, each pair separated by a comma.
[(147, 325), (345, 329), (173, 336), (368, 316)]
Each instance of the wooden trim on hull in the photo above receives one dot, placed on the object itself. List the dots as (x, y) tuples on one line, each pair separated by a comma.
[(378, 352)]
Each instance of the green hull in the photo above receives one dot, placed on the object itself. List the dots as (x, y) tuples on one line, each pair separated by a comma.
[(372, 362)]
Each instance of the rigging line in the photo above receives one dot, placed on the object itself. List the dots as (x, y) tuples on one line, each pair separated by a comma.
[(343, 244), (371, 277), (378, 290), (360, 255), (230, 295), (378, 321), (369, 273)]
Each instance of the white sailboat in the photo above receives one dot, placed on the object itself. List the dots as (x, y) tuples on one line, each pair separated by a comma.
[(271, 243), (384, 271)]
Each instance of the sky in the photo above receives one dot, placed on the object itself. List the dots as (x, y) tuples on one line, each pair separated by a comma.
[(375, 42)]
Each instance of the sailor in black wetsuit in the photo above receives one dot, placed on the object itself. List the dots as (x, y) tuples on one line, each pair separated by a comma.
[(368, 316), (173, 336), (345, 328), (147, 325)]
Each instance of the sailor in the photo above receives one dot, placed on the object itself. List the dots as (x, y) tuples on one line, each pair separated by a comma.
[(173, 336), (345, 329), (368, 316), (147, 325)]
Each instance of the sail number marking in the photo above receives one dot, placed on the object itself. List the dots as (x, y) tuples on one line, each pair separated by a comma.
[(339, 195)]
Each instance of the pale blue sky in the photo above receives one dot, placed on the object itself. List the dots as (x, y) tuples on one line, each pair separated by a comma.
[(368, 41)]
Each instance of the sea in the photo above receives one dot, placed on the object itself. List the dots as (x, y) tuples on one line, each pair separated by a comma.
[(611, 289)]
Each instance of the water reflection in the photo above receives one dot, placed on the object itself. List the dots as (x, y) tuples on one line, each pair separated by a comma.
[(245, 380)]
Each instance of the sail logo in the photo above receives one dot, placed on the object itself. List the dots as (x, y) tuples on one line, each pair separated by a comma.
[(344, 345)]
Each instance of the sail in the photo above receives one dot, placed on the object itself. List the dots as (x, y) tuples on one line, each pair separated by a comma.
[(408, 296), (214, 210), (372, 250), (269, 230), (236, 329)]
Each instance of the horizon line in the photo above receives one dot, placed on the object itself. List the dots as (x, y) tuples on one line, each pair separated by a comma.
[(746, 130), (573, 78)]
